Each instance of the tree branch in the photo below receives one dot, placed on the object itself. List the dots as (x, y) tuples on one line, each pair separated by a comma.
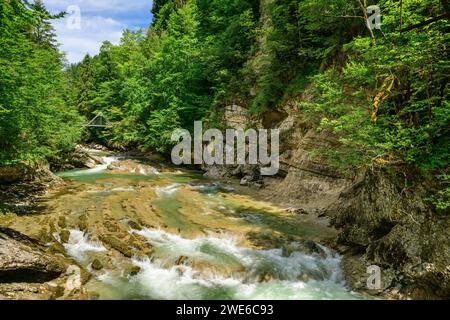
[(425, 23), (363, 5)]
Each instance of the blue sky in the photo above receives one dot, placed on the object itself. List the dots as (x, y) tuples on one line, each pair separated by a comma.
[(100, 20)]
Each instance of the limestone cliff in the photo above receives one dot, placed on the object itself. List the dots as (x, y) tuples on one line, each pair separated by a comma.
[(381, 212)]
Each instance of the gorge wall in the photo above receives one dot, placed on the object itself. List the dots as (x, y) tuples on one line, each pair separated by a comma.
[(380, 211)]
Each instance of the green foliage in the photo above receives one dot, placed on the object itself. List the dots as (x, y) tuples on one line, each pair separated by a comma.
[(35, 121), (161, 125), (388, 100), (408, 75), (188, 62), (441, 200), (383, 93)]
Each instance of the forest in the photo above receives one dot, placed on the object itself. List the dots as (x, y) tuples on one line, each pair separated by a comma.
[(382, 91)]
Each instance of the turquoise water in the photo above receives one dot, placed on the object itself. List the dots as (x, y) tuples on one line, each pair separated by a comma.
[(215, 265)]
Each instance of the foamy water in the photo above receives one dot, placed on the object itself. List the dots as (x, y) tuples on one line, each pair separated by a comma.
[(107, 161), (214, 266), (323, 277), (168, 190), (80, 246)]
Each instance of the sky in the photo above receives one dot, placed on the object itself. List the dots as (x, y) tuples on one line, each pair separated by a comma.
[(90, 22)]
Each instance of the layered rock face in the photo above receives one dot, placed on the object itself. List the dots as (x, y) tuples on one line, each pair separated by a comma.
[(80, 158), (395, 230), (20, 261), (22, 184), (29, 272), (381, 212)]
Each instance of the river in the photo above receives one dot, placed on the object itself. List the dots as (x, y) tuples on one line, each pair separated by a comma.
[(149, 232)]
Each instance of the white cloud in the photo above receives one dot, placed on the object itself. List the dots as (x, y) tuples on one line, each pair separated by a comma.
[(76, 43), (101, 6), (101, 20)]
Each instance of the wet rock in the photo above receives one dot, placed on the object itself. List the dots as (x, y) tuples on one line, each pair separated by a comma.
[(258, 185), (181, 260), (83, 223), (80, 158), (111, 226), (218, 172), (245, 181), (114, 166), (62, 222), (265, 278), (45, 235), (296, 210), (64, 235), (133, 271), (287, 251), (308, 247), (97, 265), (141, 244), (181, 270), (248, 174), (266, 239), (85, 276), (96, 146), (205, 268), (117, 244), (56, 248)]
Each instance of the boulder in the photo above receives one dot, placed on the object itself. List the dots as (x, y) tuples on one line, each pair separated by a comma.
[(21, 260), (81, 158), (181, 260), (134, 225), (308, 247), (117, 244), (133, 271), (97, 265), (64, 236)]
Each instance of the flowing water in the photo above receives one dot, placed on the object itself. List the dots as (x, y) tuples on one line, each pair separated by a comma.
[(165, 234)]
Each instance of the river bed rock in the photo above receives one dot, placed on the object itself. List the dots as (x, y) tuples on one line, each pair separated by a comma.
[(117, 244), (97, 265), (29, 272)]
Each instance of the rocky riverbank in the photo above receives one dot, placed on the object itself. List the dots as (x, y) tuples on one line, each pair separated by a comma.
[(112, 224), (381, 212), (29, 270), (381, 221), (22, 185)]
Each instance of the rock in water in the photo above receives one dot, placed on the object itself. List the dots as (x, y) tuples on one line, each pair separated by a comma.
[(133, 271), (65, 236), (181, 260), (97, 265), (117, 244), (308, 247), (134, 225)]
